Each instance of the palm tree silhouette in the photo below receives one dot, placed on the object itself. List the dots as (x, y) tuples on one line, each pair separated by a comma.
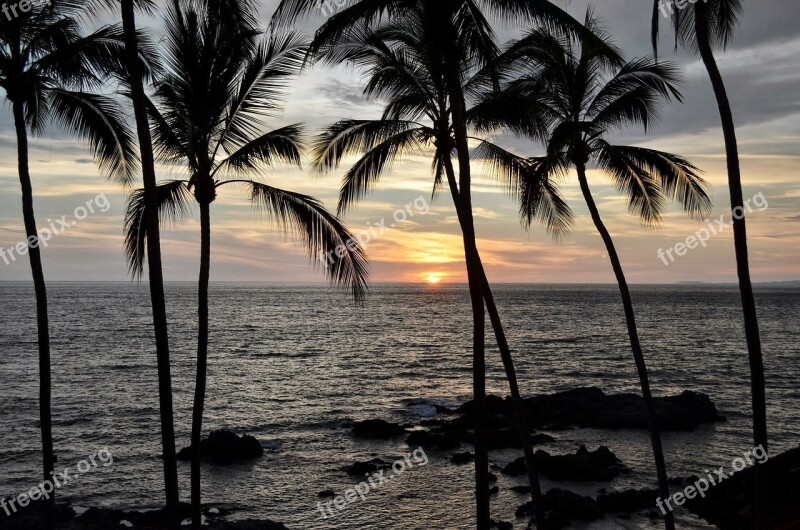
[(702, 27), (222, 77), (573, 108), (49, 70)]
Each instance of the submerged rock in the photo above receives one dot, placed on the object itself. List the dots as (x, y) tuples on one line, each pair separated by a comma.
[(462, 458), (627, 501), (225, 447), (564, 505), (366, 468), (377, 429)]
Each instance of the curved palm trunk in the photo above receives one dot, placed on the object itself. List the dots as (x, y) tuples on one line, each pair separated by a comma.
[(511, 372), (156, 277), (202, 360), (42, 321), (475, 279), (519, 404), (633, 334), (757, 381)]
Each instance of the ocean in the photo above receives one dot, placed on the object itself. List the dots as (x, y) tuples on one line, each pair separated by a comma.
[(292, 364)]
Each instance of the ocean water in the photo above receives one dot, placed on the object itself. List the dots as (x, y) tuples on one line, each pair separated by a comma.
[(290, 364)]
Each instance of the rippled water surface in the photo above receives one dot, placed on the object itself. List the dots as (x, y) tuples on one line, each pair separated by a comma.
[(291, 364)]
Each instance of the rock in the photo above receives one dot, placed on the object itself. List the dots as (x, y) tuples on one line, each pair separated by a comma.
[(492, 477), (433, 440), (598, 465), (565, 505), (494, 490), (627, 501), (591, 407), (326, 494), (729, 504), (377, 429), (501, 525), (225, 447), (366, 468), (520, 489), (462, 458)]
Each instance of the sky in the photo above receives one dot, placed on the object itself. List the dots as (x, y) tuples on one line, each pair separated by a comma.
[(761, 68)]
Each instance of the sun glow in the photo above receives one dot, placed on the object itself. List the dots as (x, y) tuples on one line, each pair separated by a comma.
[(433, 277)]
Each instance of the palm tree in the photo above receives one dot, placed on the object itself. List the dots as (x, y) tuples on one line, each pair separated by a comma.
[(48, 70), (135, 80), (579, 107), (405, 67), (222, 77), (702, 27)]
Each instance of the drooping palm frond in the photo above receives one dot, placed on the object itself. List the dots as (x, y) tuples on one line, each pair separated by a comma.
[(645, 197), (99, 120), (174, 200), (354, 136), (364, 174), (326, 238), (541, 200), (678, 178)]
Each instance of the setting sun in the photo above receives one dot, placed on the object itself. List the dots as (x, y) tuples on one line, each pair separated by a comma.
[(433, 277)]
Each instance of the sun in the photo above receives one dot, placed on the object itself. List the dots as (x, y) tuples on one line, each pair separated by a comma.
[(433, 277)]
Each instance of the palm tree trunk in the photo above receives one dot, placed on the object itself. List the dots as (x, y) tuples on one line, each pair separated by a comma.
[(202, 360), (757, 381), (511, 372), (475, 279), (519, 405), (633, 334), (42, 322), (156, 277)]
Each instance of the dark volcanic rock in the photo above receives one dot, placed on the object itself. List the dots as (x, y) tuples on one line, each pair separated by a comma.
[(501, 525), (434, 440), (225, 447), (565, 505), (627, 501), (598, 465), (377, 429), (591, 407), (729, 504), (366, 468), (462, 458)]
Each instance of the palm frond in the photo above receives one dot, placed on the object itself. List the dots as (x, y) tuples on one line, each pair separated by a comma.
[(364, 174), (327, 239), (99, 120), (645, 197), (540, 198), (174, 202), (679, 179), (282, 145)]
